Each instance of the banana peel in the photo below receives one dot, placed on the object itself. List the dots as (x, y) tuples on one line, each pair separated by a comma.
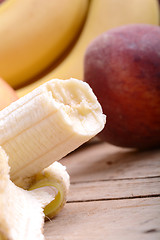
[(22, 214)]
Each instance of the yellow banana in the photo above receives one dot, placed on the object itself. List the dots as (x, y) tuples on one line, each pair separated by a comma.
[(102, 16), (34, 33)]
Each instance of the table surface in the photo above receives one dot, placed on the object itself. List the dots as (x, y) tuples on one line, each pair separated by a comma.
[(114, 194)]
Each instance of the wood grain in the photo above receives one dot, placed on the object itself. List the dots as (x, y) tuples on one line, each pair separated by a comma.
[(114, 194), (119, 189), (111, 220), (104, 161)]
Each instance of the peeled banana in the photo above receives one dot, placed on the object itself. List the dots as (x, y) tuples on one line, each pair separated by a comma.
[(34, 33), (102, 16), (47, 124), (36, 131)]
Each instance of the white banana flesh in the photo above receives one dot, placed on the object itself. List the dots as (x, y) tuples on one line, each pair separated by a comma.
[(21, 211), (47, 124)]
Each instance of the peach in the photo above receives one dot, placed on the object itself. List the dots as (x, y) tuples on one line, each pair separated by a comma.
[(7, 94), (123, 68)]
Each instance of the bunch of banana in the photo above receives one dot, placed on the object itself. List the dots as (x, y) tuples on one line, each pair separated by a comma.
[(35, 33), (102, 16), (36, 131)]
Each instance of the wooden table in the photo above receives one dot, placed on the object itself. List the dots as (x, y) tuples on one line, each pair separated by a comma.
[(114, 194)]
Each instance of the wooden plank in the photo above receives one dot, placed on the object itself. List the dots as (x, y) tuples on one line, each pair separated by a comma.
[(114, 189), (114, 195), (103, 162), (132, 219)]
